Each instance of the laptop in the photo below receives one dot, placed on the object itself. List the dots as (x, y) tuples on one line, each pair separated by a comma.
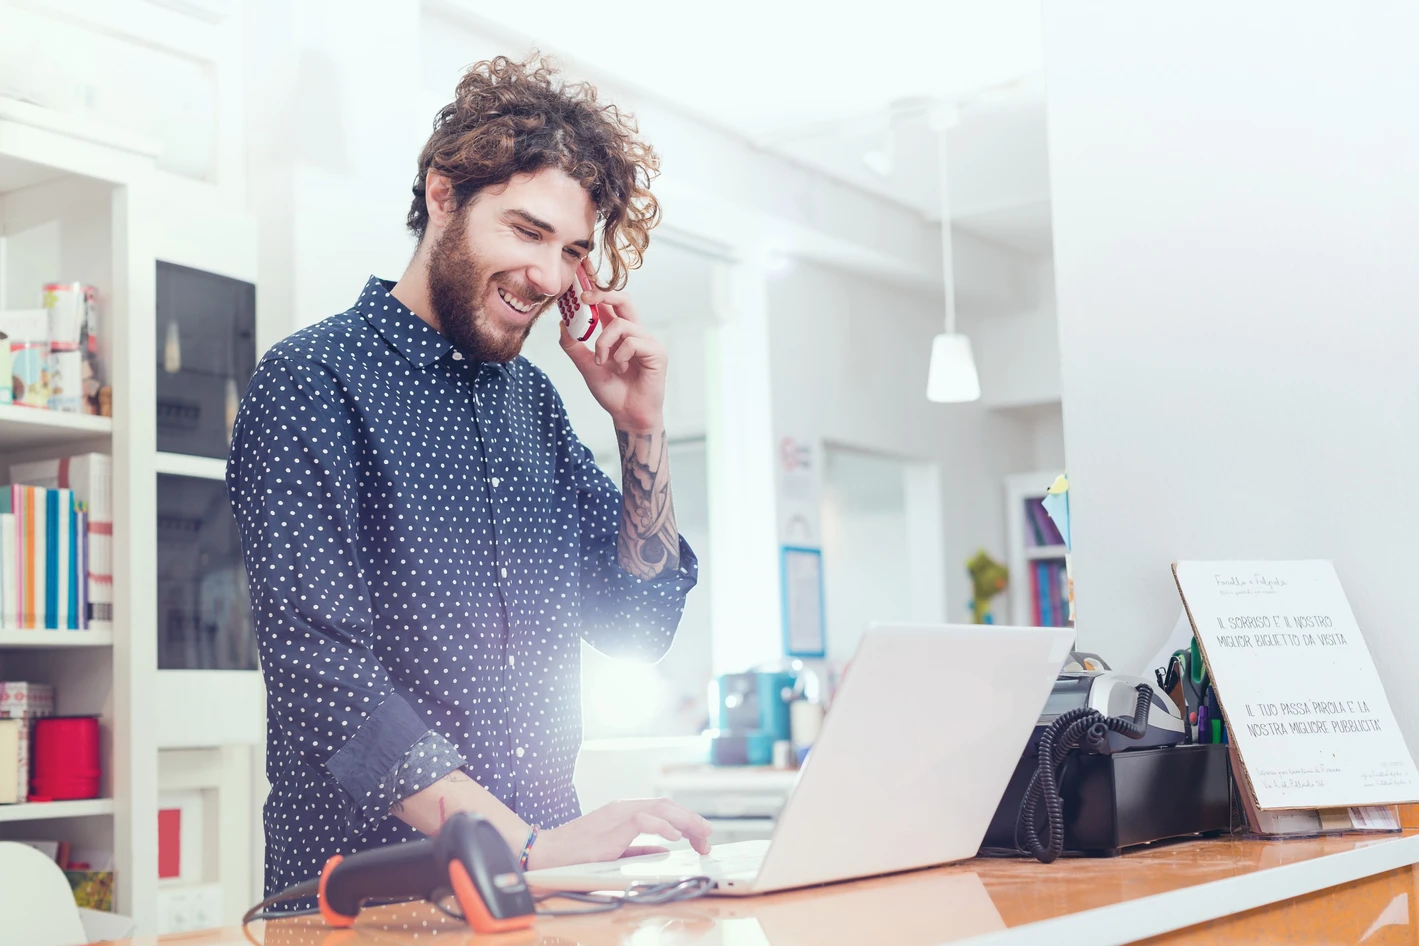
[(913, 757)]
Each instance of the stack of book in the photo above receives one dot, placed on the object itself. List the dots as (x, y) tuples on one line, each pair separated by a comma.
[(1042, 530), (84, 483), (1049, 592), (44, 540)]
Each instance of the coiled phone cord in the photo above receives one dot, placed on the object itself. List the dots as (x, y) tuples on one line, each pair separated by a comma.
[(1078, 728)]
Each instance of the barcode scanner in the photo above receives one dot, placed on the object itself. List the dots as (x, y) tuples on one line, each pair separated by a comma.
[(468, 860)]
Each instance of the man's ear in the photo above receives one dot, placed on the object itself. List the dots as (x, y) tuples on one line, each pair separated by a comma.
[(439, 198)]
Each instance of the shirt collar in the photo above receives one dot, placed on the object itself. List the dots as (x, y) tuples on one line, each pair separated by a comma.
[(418, 341), (410, 335)]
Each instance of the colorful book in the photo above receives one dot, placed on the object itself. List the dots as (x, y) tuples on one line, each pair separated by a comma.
[(90, 476), (31, 554), (43, 555), (1031, 507), (54, 540), (7, 561), (78, 543)]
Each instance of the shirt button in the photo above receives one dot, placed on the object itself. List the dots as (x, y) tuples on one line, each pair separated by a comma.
[(511, 660), (458, 356), (519, 752), (496, 481)]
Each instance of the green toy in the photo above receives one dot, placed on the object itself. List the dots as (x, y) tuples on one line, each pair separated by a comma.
[(988, 579)]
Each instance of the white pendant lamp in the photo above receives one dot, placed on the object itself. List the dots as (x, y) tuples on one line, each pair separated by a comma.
[(953, 378)]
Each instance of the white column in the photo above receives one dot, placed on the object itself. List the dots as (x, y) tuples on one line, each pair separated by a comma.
[(926, 542), (135, 517), (331, 165), (739, 448)]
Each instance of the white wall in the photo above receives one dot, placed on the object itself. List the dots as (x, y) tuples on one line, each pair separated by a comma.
[(865, 539), (333, 132), (849, 361), (1236, 236)]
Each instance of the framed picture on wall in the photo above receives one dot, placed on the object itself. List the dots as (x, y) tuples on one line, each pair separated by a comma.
[(804, 617), (181, 827)]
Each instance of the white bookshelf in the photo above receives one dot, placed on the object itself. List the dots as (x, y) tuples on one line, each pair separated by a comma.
[(32, 639), (32, 427), (1020, 545), (202, 468), (55, 810), (76, 205)]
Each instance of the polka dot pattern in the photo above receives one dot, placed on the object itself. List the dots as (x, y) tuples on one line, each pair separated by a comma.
[(427, 543)]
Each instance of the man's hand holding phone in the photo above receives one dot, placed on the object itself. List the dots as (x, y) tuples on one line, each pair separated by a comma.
[(625, 369)]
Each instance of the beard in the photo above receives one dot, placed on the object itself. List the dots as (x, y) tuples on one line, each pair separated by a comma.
[(458, 285)]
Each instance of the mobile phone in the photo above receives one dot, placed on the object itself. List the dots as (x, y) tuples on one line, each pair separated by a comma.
[(579, 317)]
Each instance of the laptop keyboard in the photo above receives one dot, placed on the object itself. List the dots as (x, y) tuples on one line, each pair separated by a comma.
[(726, 860)]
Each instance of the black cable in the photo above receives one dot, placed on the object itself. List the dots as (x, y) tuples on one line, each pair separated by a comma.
[(637, 895), (309, 888), (1080, 728), (646, 895)]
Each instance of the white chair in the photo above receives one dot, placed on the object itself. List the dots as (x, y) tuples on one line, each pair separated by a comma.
[(37, 907)]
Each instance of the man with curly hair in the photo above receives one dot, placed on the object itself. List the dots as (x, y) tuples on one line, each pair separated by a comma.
[(427, 542)]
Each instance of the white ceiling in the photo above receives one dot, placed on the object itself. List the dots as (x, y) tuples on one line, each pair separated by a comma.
[(818, 85)]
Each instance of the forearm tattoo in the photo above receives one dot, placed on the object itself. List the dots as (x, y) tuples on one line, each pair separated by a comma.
[(650, 542)]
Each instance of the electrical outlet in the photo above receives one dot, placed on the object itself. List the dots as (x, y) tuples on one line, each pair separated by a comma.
[(207, 907), (184, 909), (172, 910)]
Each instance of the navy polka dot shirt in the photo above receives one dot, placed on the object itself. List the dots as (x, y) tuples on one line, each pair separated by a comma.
[(427, 543)]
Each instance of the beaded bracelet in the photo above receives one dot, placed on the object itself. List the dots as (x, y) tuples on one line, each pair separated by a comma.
[(527, 848)]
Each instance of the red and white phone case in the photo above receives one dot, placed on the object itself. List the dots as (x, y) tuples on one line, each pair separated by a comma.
[(579, 317)]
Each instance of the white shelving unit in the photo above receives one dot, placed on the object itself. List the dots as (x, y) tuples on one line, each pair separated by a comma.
[(1022, 551), (78, 203), (77, 206), (29, 427), (53, 810), (31, 639), (202, 468)]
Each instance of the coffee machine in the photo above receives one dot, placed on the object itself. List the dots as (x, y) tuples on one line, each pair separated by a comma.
[(750, 712)]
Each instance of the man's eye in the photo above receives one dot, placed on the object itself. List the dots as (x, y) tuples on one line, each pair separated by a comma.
[(529, 234), (574, 254)]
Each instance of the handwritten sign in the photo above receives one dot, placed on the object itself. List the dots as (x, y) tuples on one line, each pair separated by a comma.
[(1299, 692)]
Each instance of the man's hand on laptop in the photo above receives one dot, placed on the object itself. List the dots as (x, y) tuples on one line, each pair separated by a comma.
[(606, 833)]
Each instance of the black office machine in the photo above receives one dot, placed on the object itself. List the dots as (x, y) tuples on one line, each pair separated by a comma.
[(1121, 774)]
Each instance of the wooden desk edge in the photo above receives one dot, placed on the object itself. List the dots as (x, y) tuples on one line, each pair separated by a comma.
[(1154, 915)]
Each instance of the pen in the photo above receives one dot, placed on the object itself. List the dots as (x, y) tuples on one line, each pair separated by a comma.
[(1203, 733), (1214, 715)]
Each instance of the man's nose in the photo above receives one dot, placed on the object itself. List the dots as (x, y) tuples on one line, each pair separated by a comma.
[(546, 279)]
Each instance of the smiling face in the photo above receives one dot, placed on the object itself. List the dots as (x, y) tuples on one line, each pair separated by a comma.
[(497, 263)]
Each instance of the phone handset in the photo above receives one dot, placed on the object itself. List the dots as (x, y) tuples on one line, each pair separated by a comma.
[(579, 317)]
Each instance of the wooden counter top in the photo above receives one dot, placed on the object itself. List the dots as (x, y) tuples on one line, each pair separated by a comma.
[(1193, 892)]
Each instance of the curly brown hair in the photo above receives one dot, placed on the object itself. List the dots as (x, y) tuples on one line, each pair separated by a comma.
[(509, 117)]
